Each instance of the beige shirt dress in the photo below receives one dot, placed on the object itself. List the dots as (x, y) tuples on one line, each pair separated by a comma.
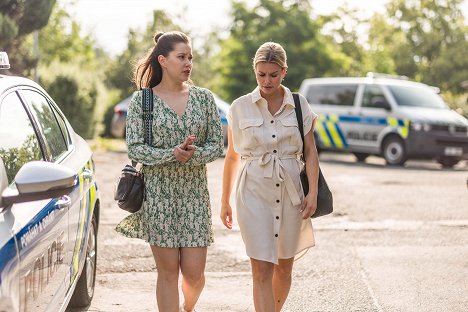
[(268, 189)]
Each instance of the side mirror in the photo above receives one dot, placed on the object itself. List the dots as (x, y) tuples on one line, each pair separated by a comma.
[(39, 180)]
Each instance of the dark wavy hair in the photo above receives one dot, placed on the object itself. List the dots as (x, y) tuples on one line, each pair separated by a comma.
[(148, 71)]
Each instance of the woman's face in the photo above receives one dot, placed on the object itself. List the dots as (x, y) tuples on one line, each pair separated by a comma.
[(269, 76), (178, 63)]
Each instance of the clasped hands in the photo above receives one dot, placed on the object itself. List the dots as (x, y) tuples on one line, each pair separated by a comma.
[(185, 151)]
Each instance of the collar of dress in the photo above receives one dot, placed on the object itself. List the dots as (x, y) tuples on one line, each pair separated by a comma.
[(287, 100)]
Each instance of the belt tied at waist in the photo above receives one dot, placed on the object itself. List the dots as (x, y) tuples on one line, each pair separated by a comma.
[(272, 162)]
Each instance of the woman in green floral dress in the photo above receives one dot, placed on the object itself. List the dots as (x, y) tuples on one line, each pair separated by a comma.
[(175, 218)]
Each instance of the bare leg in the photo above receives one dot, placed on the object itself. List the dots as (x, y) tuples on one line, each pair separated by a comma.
[(262, 274), (192, 265), (282, 281), (167, 291)]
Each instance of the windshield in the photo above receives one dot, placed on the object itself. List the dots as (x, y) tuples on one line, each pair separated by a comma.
[(416, 97)]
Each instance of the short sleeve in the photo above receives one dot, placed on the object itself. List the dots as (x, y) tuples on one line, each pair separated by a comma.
[(308, 115)]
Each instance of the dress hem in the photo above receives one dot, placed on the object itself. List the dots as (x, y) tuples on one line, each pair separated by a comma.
[(129, 235), (298, 255)]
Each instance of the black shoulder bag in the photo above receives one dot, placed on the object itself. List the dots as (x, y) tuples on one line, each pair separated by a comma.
[(130, 187), (324, 195)]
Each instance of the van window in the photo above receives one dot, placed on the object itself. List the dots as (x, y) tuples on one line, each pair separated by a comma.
[(373, 97), (419, 97), (335, 94)]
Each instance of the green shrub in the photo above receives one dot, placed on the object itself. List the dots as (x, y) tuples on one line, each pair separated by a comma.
[(77, 102)]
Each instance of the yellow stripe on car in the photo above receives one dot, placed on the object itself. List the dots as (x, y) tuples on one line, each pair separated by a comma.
[(334, 134), (321, 131), (83, 206), (402, 130)]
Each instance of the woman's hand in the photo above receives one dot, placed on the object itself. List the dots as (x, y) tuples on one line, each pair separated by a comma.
[(309, 205), (185, 151), (226, 215)]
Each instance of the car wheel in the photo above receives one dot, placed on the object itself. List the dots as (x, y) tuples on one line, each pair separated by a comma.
[(84, 290), (448, 162), (361, 156), (394, 151)]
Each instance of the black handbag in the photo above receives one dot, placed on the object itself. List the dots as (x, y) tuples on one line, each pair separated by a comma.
[(130, 187), (324, 195)]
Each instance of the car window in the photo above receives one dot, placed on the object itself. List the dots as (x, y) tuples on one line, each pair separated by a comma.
[(50, 128), (62, 124), (416, 96), (18, 140), (332, 94), (374, 97)]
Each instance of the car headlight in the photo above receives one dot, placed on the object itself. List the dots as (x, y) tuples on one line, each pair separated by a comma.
[(419, 126)]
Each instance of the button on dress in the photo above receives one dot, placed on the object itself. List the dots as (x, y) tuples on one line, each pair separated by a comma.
[(176, 212), (268, 192)]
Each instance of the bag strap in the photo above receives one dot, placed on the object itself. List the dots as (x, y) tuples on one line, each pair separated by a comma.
[(147, 105), (300, 122)]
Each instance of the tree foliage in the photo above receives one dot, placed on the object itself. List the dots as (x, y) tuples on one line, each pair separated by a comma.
[(284, 22), (18, 18), (425, 39), (62, 40)]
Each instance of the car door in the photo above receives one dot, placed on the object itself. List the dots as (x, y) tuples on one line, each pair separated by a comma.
[(44, 260), (335, 105), (373, 111)]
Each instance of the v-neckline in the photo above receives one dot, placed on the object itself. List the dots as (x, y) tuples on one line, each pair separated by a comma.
[(187, 105)]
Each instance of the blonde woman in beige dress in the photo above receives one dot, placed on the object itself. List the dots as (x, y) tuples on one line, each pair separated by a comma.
[(264, 148)]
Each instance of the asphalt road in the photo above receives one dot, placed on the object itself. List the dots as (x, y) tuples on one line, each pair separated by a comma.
[(397, 241)]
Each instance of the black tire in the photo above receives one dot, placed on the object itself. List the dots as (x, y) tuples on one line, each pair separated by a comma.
[(394, 151), (84, 290), (361, 156), (448, 162)]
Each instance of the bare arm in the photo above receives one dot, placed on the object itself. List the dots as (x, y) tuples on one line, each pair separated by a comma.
[(231, 165), (312, 166)]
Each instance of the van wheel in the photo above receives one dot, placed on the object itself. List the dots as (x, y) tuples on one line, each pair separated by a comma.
[(84, 290), (448, 162), (394, 151), (361, 156)]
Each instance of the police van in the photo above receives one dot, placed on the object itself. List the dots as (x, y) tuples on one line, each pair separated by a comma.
[(49, 203), (388, 116)]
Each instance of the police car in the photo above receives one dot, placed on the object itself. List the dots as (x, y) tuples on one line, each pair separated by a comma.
[(49, 203), (388, 116)]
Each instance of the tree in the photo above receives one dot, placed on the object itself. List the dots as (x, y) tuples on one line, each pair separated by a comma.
[(341, 26), (286, 22), (62, 40), (18, 18), (431, 41)]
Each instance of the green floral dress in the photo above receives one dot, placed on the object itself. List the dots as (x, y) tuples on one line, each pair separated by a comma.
[(176, 212)]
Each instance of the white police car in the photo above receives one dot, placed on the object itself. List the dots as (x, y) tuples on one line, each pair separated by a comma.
[(380, 115), (49, 204)]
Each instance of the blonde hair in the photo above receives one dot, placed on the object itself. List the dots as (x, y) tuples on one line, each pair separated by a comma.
[(271, 52)]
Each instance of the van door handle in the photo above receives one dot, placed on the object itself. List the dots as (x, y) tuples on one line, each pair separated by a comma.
[(63, 202), (87, 174)]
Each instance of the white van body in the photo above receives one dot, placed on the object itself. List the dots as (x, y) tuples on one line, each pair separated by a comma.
[(394, 118)]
